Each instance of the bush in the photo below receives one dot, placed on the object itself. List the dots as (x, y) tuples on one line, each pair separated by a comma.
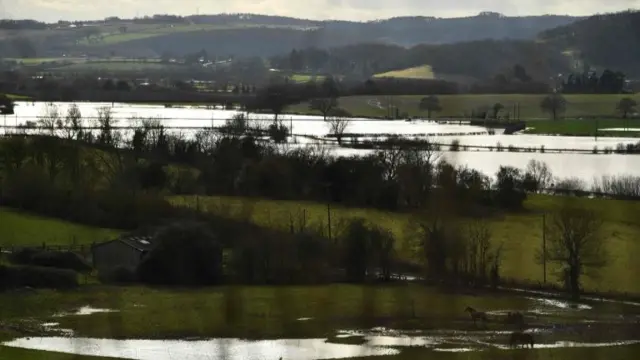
[(119, 275), (185, 254), (60, 260), (52, 259), (12, 277)]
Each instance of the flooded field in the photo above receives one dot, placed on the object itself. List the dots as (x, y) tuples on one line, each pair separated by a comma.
[(554, 325)]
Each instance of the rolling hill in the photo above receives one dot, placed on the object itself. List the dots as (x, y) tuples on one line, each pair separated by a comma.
[(258, 35), (609, 40)]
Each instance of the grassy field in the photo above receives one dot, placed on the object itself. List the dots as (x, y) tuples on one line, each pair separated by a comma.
[(304, 78), (521, 234), (419, 72), (8, 353), (119, 66), (23, 229), (114, 36), (586, 127), (275, 312), (459, 105)]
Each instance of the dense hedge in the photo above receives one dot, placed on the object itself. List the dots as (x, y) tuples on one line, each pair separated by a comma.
[(53, 259), (12, 277)]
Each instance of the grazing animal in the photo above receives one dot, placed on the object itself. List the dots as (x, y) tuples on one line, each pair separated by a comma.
[(519, 338), (477, 315)]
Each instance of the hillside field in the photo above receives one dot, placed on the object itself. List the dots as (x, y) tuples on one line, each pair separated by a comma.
[(22, 229), (520, 234), (459, 105), (419, 72)]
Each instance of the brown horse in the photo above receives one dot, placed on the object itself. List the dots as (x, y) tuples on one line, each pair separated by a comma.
[(519, 338), (477, 315)]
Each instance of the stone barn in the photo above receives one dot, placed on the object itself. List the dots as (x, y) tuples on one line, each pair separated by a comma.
[(124, 252)]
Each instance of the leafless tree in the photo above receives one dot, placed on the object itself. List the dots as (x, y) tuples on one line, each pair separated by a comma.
[(50, 118), (540, 174), (323, 105), (73, 123), (338, 126), (575, 244), (105, 122)]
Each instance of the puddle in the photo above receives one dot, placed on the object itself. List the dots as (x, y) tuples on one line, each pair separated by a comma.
[(561, 304), (220, 349), (304, 319), (455, 350), (574, 344), (85, 310)]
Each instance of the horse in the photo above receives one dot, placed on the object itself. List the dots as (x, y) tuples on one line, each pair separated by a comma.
[(477, 315), (520, 338)]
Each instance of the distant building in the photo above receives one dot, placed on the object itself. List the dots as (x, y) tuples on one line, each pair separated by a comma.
[(125, 252)]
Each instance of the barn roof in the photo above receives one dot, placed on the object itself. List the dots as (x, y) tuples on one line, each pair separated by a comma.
[(140, 243)]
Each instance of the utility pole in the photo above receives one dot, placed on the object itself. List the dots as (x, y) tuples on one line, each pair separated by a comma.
[(544, 249)]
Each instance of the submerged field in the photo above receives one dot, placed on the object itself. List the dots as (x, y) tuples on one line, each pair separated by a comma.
[(312, 322), (520, 233), (459, 105)]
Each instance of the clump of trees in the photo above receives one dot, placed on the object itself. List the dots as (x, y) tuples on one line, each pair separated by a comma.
[(575, 245), (554, 104)]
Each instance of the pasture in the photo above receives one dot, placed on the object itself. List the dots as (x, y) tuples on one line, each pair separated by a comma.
[(398, 316), (419, 72), (461, 105), (22, 229), (112, 35), (519, 233), (586, 127), (118, 66)]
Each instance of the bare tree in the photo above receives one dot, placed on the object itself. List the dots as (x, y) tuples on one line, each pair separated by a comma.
[(338, 126), (105, 122), (73, 123), (539, 175), (554, 104), (626, 106), (575, 244), (50, 118), (430, 104), (323, 105)]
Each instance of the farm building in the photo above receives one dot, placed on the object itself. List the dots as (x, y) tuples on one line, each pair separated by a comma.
[(121, 252)]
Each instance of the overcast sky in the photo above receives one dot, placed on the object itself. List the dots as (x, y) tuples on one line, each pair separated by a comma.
[(54, 10)]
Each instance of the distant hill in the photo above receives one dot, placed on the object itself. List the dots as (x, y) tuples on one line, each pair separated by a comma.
[(602, 41), (258, 35)]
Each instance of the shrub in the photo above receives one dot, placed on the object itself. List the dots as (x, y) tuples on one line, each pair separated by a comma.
[(52, 259), (60, 260), (119, 275), (185, 254), (12, 277)]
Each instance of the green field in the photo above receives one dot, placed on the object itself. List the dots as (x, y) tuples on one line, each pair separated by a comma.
[(114, 36), (459, 105), (304, 78), (521, 234), (419, 72), (586, 127), (262, 312), (118, 66), (8, 353), (21, 229)]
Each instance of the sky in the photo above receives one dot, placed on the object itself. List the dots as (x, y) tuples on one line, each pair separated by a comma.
[(359, 10)]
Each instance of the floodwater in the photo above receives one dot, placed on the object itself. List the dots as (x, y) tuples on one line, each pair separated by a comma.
[(586, 329), (582, 166)]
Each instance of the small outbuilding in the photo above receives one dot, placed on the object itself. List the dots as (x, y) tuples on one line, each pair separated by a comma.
[(123, 252)]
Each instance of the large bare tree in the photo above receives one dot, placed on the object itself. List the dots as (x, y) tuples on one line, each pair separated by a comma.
[(338, 126), (575, 244)]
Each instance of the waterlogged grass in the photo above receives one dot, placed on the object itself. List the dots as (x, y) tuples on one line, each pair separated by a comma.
[(520, 233), (22, 229), (9, 353), (458, 105), (249, 312), (419, 72), (585, 127), (601, 353)]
